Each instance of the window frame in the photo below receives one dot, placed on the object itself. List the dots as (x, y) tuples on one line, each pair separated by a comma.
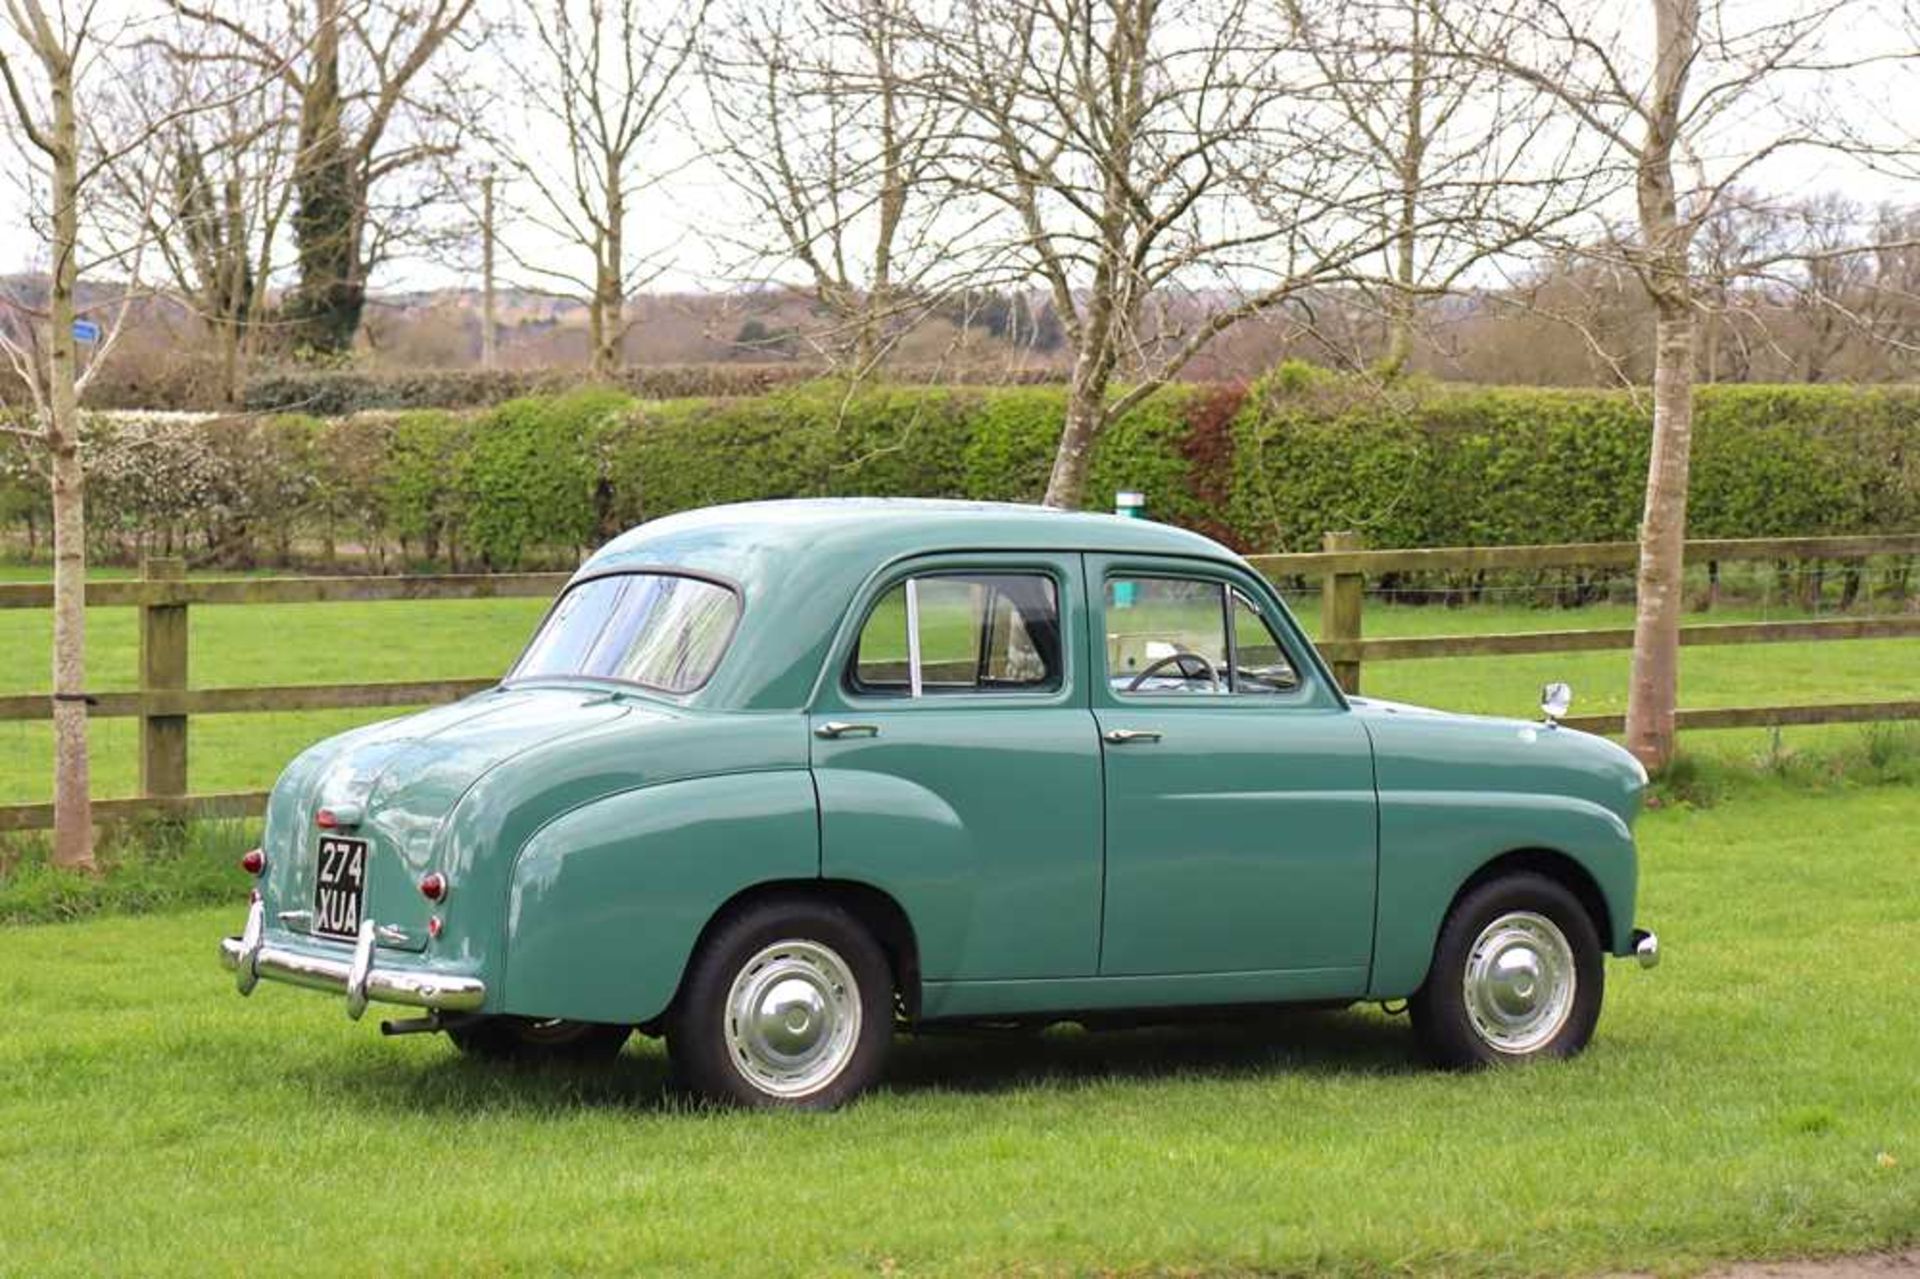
[(512, 679), (853, 690), (1126, 569)]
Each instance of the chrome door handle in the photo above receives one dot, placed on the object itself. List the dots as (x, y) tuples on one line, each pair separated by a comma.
[(1121, 736), (835, 728)]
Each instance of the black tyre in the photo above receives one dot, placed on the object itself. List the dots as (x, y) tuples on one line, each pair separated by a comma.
[(530, 1039), (788, 1003), (1517, 975)]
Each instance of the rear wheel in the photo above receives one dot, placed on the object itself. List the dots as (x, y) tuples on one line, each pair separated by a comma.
[(1517, 974), (538, 1039), (789, 1003)]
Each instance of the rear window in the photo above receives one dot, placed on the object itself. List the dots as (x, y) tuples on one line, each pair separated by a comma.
[(658, 630)]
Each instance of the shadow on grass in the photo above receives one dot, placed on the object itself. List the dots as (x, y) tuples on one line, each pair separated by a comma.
[(956, 1061)]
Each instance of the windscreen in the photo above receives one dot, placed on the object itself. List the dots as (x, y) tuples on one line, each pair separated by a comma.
[(654, 629)]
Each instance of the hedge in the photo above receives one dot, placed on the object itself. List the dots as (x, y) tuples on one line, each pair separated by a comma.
[(337, 392), (537, 480)]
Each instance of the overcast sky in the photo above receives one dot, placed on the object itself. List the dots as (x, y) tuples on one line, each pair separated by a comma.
[(693, 222)]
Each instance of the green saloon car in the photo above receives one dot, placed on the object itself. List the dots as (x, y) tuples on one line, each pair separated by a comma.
[(775, 779)]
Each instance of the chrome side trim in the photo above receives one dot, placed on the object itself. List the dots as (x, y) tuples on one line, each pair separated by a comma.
[(445, 991), (1646, 947)]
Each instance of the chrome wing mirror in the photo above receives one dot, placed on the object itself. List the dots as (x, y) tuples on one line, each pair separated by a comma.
[(1555, 700)]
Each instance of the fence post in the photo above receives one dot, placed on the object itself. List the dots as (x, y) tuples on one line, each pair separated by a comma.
[(163, 668), (1341, 595)]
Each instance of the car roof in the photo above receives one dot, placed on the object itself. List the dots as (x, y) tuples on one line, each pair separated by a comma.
[(881, 529), (800, 561)]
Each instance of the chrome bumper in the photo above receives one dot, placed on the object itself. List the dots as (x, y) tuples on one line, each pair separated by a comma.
[(252, 957), (1646, 947)]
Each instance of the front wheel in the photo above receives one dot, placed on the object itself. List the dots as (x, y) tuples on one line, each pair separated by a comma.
[(789, 1003), (538, 1039), (1517, 975)]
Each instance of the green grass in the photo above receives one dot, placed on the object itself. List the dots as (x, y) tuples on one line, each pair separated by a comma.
[(1754, 1097)]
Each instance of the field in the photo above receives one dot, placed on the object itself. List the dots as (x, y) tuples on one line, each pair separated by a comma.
[(1753, 1097)]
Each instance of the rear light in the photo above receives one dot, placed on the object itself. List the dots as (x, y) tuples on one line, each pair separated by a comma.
[(434, 926), (434, 887), (253, 861), (325, 819)]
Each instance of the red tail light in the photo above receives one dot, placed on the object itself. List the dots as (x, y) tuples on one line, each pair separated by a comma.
[(434, 887), (434, 926), (253, 861), (325, 819)]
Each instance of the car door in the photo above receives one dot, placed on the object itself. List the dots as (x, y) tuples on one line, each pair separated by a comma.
[(957, 765), (1240, 803)]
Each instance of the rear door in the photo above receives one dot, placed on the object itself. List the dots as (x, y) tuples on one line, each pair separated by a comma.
[(1240, 804), (957, 764)]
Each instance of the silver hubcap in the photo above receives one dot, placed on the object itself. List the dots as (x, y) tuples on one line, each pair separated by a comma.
[(793, 1018), (1520, 982)]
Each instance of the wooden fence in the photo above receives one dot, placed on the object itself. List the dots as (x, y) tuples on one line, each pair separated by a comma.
[(164, 703)]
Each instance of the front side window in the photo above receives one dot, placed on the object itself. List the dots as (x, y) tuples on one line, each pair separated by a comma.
[(1190, 637), (961, 633), (654, 629)]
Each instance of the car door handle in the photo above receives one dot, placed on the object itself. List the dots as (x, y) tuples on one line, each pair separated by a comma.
[(835, 728), (1121, 736)]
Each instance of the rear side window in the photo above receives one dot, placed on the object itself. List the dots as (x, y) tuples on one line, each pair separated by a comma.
[(658, 630), (961, 633)]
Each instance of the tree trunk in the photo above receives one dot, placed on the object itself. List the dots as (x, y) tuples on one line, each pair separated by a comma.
[(232, 385), (1411, 162), (1654, 686), (608, 291), (489, 316), (1086, 408), (72, 799)]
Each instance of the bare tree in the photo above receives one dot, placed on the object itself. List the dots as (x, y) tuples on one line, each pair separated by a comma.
[(820, 130), (1462, 150), (212, 192), (1168, 169), (1689, 98), (45, 54), (40, 79), (599, 80), (357, 69)]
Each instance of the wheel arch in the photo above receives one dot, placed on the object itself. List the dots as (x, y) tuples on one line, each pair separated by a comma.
[(1565, 870), (875, 909)]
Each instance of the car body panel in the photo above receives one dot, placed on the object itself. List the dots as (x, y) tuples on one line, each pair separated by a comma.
[(936, 809), (1458, 791), (608, 899), (1243, 837)]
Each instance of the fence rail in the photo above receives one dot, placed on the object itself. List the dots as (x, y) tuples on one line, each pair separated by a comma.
[(164, 703)]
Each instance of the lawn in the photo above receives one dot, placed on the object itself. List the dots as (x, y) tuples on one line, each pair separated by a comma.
[(1753, 1097), (447, 639)]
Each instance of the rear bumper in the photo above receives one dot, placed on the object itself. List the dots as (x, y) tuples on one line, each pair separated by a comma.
[(251, 957)]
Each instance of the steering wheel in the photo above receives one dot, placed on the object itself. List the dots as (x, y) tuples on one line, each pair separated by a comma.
[(1180, 659)]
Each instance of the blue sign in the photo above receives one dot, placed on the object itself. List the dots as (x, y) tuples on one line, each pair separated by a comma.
[(86, 331)]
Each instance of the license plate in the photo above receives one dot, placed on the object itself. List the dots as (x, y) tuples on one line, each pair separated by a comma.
[(340, 887)]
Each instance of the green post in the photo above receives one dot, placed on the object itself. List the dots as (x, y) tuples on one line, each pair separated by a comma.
[(1341, 596), (1130, 504), (163, 669)]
